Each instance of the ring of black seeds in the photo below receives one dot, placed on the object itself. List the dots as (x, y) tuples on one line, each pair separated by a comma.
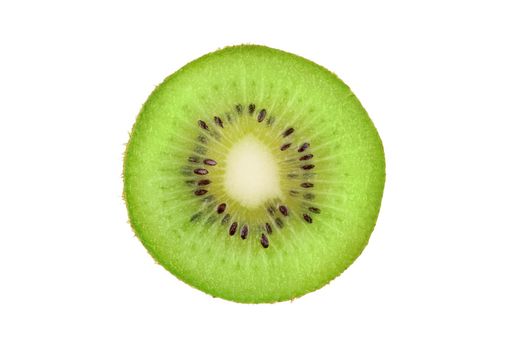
[(210, 127)]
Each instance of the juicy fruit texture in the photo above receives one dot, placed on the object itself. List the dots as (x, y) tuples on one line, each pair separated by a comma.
[(254, 175)]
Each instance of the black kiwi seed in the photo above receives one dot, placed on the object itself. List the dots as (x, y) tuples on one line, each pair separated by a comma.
[(307, 218), (285, 146), (261, 115), (238, 108), (204, 182), (288, 132), (264, 241), (203, 125), (268, 228), (233, 228), (200, 171), (251, 108), (307, 157), (307, 185), (221, 208), (293, 193), (314, 210), (283, 210), (200, 192), (210, 162), (244, 232), (218, 121), (308, 167), (303, 147)]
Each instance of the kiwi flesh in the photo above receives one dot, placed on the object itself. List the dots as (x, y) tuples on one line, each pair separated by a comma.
[(254, 175)]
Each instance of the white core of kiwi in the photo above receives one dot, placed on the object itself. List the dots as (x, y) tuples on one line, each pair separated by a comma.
[(252, 173)]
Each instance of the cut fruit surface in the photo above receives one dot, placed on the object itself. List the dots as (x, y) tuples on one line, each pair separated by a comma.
[(254, 175)]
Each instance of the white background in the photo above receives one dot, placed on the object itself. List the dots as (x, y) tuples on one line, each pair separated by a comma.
[(443, 82)]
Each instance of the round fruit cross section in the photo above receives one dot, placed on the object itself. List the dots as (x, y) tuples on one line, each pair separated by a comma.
[(254, 175)]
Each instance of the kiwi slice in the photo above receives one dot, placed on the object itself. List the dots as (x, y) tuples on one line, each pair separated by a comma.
[(254, 175)]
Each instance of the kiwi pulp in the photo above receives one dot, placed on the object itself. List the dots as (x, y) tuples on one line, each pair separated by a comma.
[(254, 175)]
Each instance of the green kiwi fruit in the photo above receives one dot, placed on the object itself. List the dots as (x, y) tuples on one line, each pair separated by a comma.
[(254, 175)]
